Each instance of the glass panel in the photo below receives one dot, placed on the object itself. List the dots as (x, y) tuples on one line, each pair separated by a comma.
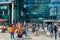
[(35, 8), (3, 0), (3, 7)]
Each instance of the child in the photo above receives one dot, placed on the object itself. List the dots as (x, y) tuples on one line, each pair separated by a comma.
[(11, 31)]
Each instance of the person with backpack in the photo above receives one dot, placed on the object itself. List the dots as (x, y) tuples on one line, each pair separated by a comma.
[(11, 31)]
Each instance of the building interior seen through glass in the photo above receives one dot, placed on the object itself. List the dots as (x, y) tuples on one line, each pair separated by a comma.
[(31, 10)]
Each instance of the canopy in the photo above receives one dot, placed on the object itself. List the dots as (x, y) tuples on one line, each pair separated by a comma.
[(2, 20), (49, 20)]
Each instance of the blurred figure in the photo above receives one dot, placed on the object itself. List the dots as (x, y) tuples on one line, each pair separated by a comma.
[(19, 31), (43, 28), (49, 27), (25, 31), (46, 27), (3, 28), (33, 27), (36, 29), (11, 31), (55, 30), (27, 26)]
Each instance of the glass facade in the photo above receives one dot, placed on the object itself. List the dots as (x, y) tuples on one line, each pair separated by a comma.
[(30, 10), (5, 11), (38, 9), (3, 0)]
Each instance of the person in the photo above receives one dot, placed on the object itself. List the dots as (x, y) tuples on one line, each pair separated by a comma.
[(11, 31), (49, 27), (19, 31), (33, 28), (3, 27), (25, 31), (43, 28), (55, 29), (37, 29)]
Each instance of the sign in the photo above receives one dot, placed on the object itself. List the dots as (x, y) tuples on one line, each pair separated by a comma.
[(5, 1)]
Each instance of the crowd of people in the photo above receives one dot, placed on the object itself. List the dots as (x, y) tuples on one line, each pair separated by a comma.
[(22, 29), (19, 30)]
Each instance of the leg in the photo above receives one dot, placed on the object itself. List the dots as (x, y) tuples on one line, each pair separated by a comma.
[(55, 35), (13, 35)]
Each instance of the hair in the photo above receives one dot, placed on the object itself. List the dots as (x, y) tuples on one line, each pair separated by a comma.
[(12, 25)]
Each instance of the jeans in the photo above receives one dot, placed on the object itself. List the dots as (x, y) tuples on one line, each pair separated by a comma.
[(12, 35)]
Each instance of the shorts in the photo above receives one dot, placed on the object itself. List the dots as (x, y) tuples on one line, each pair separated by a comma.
[(20, 36)]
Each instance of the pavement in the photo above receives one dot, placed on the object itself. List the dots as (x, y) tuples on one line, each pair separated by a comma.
[(31, 36), (5, 36)]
